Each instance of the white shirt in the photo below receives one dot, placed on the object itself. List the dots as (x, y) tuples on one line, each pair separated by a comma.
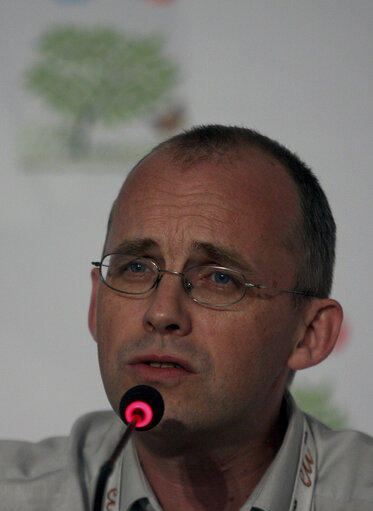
[(59, 474)]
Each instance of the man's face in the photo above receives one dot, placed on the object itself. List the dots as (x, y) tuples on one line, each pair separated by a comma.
[(230, 361)]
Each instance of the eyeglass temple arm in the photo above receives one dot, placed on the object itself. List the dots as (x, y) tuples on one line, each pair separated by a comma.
[(262, 286)]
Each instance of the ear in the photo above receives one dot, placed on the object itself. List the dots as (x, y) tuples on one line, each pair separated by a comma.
[(322, 319), (92, 314)]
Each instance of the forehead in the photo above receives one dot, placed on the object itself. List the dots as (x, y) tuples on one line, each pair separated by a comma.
[(229, 201)]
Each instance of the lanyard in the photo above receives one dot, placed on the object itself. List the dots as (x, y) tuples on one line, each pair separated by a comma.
[(302, 497)]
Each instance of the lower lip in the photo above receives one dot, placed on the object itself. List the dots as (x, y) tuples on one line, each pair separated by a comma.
[(157, 374)]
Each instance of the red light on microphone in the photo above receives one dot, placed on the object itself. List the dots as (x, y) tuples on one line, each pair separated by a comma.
[(141, 412), (143, 403)]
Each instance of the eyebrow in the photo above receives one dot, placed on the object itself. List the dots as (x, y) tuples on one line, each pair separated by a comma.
[(221, 255), (224, 256), (136, 246)]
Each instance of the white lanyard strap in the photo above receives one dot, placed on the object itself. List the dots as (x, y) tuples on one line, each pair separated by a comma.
[(302, 498)]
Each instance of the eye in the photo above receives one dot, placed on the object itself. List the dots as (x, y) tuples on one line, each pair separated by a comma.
[(213, 277), (136, 267), (221, 277), (128, 268)]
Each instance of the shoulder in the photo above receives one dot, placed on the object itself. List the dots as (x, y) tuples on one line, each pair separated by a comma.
[(19, 459), (345, 467), (46, 472)]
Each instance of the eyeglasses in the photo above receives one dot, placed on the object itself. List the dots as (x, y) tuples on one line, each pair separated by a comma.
[(212, 285)]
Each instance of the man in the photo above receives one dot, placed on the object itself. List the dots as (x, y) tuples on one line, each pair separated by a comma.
[(213, 288)]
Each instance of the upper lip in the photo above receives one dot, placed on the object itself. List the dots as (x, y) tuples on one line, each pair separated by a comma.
[(161, 358)]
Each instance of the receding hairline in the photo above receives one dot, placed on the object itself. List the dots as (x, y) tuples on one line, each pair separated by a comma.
[(187, 159)]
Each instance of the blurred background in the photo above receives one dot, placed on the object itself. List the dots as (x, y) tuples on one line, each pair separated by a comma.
[(87, 87)]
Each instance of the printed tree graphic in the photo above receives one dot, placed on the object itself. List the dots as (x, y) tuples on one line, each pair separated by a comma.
[(93, 75)]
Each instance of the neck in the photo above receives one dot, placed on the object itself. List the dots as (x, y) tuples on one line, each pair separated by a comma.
[(205, 475)]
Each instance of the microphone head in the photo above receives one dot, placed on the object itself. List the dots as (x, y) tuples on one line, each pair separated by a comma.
[(142, 401)]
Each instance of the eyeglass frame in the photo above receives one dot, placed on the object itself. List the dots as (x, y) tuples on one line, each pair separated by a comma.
[(186, 284)]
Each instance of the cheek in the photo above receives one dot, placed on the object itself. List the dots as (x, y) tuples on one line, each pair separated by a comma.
[(118, 319), (116, 315), (234, 346), (254, 349)]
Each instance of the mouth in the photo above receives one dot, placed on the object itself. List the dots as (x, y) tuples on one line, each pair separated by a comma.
[(164, 365), (158, 368), (162, 361)]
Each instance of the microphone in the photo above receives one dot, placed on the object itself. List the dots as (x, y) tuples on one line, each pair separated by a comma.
[(141, 408), (143, 404)]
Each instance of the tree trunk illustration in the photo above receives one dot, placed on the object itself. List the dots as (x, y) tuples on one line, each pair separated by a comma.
[(80, 136)]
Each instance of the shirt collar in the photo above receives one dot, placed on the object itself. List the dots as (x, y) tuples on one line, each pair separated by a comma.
[(134, 485), (273, 492), (275, 489)]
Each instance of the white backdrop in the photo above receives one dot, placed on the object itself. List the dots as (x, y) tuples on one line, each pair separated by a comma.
[(299, 71)]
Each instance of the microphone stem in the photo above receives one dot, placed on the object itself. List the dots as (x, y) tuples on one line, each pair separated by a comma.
[(124, 439), (107, 468)]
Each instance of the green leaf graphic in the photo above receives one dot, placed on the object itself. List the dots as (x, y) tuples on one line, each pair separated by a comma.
[(93, 75)]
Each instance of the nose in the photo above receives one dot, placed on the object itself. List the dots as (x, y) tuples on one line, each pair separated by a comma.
[(168, 308)]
